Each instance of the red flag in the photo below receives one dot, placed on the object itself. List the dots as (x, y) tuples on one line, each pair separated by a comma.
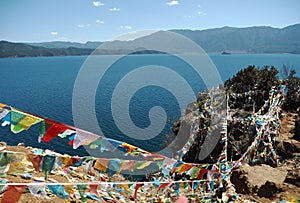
[(93, 188), (137, 186), (35, 160), (53, 130), (13, 193), (71, 142), (163, 186), (202, 172)]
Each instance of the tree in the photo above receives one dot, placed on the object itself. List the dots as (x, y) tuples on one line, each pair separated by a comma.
[(292, 100), (253, 79)]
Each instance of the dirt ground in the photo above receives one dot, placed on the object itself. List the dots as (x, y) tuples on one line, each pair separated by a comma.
[(266, 184)]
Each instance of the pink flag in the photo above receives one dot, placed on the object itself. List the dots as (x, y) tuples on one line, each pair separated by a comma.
[(83, 138)]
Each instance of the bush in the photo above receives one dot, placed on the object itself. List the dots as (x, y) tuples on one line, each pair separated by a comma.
[(292, 99)]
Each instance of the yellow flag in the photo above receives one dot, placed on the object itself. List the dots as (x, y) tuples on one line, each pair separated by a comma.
[(22, 121), (2, 105), (143, 165)]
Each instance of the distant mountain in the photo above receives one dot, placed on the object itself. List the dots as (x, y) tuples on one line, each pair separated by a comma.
[(62, 44), (258, 39), (9, 49)]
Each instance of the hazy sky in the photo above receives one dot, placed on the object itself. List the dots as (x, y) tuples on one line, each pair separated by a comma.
[(88, 20)]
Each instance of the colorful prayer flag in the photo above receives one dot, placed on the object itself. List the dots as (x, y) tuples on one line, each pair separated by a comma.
[(21, 121), (83, 138), (13, 193), (58, 190), (50, 129), (48, 162)]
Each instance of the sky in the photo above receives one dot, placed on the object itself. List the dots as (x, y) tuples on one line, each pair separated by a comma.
[(93, 20)]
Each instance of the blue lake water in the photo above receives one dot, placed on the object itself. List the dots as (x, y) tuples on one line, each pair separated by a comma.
[(44, 86)]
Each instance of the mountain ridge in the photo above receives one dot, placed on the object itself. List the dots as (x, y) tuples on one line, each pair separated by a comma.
[(67, 44), (254, 39)]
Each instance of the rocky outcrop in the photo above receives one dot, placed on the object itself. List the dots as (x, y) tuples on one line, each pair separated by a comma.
[(297, 128), (264, 183), (293, 176), (287, 143), (176, 127), (262, 180)]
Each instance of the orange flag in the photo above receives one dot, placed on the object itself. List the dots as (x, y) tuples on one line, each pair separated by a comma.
[(184, 167), (101, 164), (2, 105)]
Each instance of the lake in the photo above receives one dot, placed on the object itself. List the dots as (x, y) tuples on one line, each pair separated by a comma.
[(44, 86)]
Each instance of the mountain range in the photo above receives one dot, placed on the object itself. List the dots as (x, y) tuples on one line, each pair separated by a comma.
[(257, 39)]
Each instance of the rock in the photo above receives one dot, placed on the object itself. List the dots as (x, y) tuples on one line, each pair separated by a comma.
[(293, 177), (268, 190), (288, 141), (240, 181), (2, 144), (182, 136), (191, 107), (287, 147), (297, 128), (255, 179), (176, 127), (296, 145)]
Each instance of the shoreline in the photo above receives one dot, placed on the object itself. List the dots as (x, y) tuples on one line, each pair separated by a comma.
[(209, 53)]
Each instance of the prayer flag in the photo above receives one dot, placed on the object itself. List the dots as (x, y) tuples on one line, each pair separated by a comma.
[(13, 193), (81, 190), (127, 165), (163, 185), (37, 189), (48, 162), (50, 129), (142, 164), (21, 121), (83, 138), (184, 167), (101, 164), (3, 113), (59, 191), (114, 166), (93, 188), (35, 160)]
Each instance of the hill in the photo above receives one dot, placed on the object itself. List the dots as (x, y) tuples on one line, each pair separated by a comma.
[(9, 49), (62, 44)]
